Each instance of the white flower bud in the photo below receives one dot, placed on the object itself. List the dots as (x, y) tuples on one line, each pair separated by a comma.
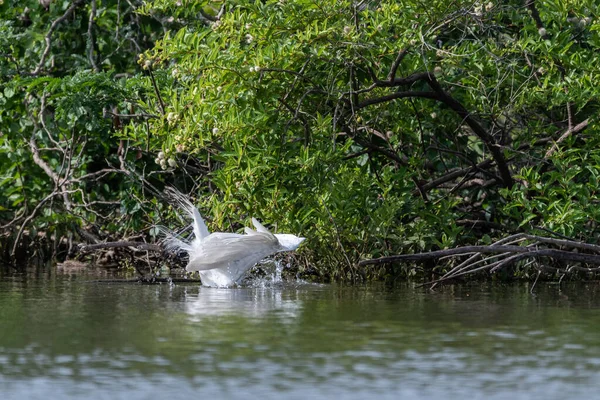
[(161, 155), (172, 162), (249, 38), (215, 130), (437, 71), (542, 32)]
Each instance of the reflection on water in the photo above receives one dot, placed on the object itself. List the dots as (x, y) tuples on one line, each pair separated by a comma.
[(72, 337), (247, 302)]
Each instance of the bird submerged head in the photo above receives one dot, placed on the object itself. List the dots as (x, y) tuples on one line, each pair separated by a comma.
[(288, 242)]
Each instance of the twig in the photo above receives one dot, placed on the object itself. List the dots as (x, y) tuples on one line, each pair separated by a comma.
[(535, 282), (577, 128), (161, 103), (141, 115)]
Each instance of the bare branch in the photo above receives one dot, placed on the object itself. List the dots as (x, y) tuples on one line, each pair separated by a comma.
[(161, 103), (48, 37), (396, 64), (91, 41), (577, 128), (396, 95), (133, 116), (467, 250), (111, 245)]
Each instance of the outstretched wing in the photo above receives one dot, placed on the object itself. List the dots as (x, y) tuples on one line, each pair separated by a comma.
[(174, 242), (200, 229), (259, 227)]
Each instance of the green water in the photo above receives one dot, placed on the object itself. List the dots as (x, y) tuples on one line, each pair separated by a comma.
[(68, 337)]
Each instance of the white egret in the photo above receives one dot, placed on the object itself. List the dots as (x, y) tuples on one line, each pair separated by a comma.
[(222, 258)]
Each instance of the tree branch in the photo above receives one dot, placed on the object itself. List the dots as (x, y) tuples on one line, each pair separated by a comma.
[(483, 134), (91, 41), (577, 128), (111, 245), (397, 95), (48, 37), (396, 64)]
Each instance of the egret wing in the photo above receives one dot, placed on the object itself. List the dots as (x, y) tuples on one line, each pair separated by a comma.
[(200, 229), (219, 250), (259, 227)]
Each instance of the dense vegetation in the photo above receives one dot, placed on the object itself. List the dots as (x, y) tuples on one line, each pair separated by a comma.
[(371, 127)]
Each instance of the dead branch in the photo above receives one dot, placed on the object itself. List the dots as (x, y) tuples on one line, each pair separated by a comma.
[(458, 251), (28, 219), (48, 38), (505, 252), (111, 245)]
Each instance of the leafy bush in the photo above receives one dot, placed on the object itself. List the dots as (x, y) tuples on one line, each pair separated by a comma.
[(375, 128), (372, 127)]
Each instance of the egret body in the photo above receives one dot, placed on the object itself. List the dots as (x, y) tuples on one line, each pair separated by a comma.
[(222, 258)]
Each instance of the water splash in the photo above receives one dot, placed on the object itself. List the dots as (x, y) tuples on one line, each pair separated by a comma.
[(278, 270), (267, 275)]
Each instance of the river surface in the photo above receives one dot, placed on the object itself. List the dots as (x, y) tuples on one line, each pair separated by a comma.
[(71, 337)]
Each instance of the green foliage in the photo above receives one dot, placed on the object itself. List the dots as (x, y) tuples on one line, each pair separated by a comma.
[(563, 199), (60, 79), (294, 108), (372, 128)]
